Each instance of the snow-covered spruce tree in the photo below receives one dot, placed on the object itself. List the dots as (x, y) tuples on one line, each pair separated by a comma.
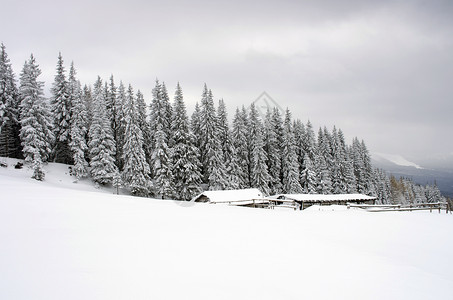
[(234, 170), (61, 112), (10, 144), (159, 112), (35, 118), (159, 121), (101, 144), (309, 141), (223, 129), (240, 144), (120, 123), (87, 97), (290, 164), (308, 176), (232, 162), (186, 166), (213, 162), (162, 165), (195, 127), (324, 183), (338, 160), (299, 135), (347, 166), (272, 145), (259, 175), (77, 130), (144, 125), (136, 169)]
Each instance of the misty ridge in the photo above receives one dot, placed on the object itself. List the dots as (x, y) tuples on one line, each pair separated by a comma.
[(107, 131)]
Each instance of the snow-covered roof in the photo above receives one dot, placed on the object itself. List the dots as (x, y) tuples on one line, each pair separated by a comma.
[(324, 198), (227, 196)]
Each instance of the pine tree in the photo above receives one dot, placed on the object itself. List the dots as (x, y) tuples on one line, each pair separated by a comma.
[(162, 165), (101, 144), (35, 118), (308, 176), (144, 125), (290, 165), (10, 144), (212, 158), (240, 144), (136, 168), (186, 166), (77, 130), (346, 166), (259, 175), (120, 124), (61, 111), (272, 145)]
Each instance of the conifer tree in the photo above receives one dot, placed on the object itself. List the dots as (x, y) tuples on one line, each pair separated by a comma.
[(308, 176), (35, 118), (10, 144), (240, 144), (272, 146), (120, 124), (212, 158), (101, 144), (290, 165), (136, 168), (143, 124), (259, 175), (77, 130), (162, 165), (186, 166), (195, 127), (61, 111)]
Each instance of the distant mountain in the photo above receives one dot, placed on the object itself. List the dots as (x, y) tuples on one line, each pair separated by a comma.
[(401, 167)]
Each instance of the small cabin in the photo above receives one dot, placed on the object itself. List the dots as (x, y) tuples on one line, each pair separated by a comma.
[(307, 200), (244, 197)]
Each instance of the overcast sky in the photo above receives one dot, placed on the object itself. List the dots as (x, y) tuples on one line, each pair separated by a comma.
[(380, 70)]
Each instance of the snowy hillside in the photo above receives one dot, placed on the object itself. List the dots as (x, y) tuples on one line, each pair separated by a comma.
[(395, 159), (61, 240)]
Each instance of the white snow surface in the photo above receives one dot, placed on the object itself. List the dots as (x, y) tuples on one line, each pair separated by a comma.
[(396, 159), (61, 240)]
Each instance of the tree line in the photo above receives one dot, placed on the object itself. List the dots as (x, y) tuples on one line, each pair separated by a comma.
[(107, 132)]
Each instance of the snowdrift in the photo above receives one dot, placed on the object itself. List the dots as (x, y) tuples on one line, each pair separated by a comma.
[(61, 240)]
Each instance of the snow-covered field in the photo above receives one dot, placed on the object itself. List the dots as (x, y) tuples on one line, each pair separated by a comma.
[(61, 240)]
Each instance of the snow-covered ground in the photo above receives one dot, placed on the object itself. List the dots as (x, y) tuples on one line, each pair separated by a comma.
[(61, 240)]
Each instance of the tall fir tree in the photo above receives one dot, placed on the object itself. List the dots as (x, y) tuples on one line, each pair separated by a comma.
[(35, 118), (162, 165), (259, 175), (136, 169), (290, 164), (61, 111), (308, 176), (101, 144), (143, 124), (186, 166), (120, 123), (10, 144), (272, 142), (239, 138), (212, 159), (78, 127)]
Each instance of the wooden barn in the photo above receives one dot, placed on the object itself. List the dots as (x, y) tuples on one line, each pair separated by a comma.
[(307, 200), (245, 197)]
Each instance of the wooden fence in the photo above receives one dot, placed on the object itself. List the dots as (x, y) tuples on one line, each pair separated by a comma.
[(409, 207)]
